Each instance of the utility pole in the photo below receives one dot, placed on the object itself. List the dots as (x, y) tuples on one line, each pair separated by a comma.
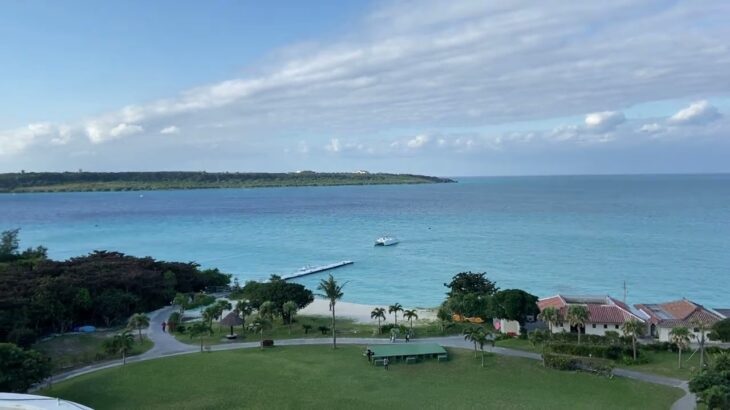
[(625, 291)]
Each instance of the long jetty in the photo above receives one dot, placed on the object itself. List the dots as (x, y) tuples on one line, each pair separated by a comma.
[(317, 269)]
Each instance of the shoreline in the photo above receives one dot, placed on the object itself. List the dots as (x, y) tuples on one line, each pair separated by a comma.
[(360, 313)]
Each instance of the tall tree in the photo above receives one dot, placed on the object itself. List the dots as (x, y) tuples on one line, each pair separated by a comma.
[(577, 316), (551, 316), (471, 282), (474, 334), (9, 243), (244, 308), (445, 316), (182, 301), (257, 325), (333, 292), (200, 330), (514, 304), (409, 315), (721, 330), (378, 313), (139, 321), (266, 310), (395, 308), (289, 309), (681, 337), (121, 343), (634, 329), (702, 328)]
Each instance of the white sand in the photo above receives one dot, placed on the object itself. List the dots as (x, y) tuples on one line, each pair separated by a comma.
[(360, 313)]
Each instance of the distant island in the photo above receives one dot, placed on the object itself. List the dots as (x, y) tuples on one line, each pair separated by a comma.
[(142, 181)]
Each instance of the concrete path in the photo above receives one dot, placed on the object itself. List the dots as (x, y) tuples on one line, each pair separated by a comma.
[(166, 345)]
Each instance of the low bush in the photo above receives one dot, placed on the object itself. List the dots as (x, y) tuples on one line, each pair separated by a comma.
[(323, 329), (267, 343), (387, 328), (613, 352), (573, 363), (630, 361)]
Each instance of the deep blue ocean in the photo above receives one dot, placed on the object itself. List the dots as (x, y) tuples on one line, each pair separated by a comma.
[(667, 237)]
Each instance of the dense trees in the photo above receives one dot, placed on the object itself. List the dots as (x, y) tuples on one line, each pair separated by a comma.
[(277, 291), (514, 304), (122, 181), (20, 369), (469, 294), (102, 288), (721, 330), (712, 385)]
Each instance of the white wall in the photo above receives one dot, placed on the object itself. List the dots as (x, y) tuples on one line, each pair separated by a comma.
[(664, 335), (589, 330), (509, 326)]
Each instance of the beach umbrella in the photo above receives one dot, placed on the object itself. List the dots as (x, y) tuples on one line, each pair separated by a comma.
[(232, 319)]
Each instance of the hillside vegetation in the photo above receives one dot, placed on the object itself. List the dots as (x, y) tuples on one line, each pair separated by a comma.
[(137, 181)]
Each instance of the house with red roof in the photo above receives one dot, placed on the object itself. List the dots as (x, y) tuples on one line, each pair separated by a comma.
[(605, 313), (663, 317)]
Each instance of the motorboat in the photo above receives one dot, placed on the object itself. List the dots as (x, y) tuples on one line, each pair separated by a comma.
[(386, 241)]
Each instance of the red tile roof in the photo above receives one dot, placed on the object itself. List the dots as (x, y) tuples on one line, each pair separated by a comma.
[(678, 313), (603, 309)]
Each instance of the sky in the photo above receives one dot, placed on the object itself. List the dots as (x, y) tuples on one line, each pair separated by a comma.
[(451, 88)]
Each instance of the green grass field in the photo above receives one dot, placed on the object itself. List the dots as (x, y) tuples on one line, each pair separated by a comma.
[(318, 377), (345, 328), (77, 350)]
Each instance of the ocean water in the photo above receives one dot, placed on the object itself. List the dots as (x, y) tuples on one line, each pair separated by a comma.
[(667, 237)]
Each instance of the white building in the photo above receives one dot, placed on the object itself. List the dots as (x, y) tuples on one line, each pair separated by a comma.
[(604, 313), (19, 401)]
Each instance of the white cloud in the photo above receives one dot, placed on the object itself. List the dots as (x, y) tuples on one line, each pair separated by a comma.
[(333, 146), (125, 130), (170, 130), (604, 121), (651, 128), (437, 65), (418, 141), (699, 112)]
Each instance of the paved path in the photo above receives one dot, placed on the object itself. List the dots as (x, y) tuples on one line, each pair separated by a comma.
[(166, 345)]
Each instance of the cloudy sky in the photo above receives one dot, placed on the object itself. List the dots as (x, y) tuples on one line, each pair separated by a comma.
[(437, 87)]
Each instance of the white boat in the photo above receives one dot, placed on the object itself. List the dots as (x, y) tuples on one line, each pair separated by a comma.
[(386, 241)]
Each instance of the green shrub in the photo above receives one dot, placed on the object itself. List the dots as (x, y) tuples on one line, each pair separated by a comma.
[(572, 363), (613, 352)]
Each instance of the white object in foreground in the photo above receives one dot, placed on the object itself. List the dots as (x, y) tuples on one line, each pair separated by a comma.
[(386, 241)]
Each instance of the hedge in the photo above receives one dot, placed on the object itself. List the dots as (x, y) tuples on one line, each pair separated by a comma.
[(573, 363), (613, 352)]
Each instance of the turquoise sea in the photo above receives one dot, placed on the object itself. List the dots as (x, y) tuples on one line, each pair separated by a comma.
[(667, 236)]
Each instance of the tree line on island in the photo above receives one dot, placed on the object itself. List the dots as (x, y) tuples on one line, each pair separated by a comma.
[(133, 181)]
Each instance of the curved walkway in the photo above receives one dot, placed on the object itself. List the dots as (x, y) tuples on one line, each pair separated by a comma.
[(166, 345)]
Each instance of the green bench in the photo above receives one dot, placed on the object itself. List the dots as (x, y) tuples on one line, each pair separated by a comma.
[(411, 359), (379, 362), (443, 358)]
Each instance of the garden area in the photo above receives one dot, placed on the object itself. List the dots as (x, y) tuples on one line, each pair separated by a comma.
[(293, 377)]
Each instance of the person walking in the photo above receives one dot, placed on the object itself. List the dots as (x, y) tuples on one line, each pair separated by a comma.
[(164, 326), (386, 362)]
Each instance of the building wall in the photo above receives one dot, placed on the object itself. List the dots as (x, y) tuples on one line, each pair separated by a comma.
[(663, 333), (509, 326), (599, 330)]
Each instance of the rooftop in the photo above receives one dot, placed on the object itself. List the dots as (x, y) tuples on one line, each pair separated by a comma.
[(681, 312), (602, 309)]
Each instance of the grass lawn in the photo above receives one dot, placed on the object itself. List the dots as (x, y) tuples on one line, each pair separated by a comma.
[(318, 377), (345, 328), (665, 364), (518, 344), (77, 350)]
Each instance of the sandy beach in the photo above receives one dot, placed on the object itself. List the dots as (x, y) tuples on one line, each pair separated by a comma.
[(358, 312)]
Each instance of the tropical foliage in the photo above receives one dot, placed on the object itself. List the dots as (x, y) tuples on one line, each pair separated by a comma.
[(332, 291), (20, 369), (577, 316)]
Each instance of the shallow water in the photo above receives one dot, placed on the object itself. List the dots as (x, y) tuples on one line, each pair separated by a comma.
[(667, 236)]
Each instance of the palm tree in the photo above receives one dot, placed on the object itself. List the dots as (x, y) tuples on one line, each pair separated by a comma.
[(258, 325), (182, 301), (395, 308), (289, 309), (481, 339), (577, 316), (378, 313), (474, 334), (332, 291), (551, 316), (266, 310), (633, 328), (223, 306), (444, 316), (410, 315), (209, 314), (200, 330), (244, 308), (680, 336), (702, 328), (138, 321), (122, 343)]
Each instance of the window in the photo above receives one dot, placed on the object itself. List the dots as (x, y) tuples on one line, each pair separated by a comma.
[(594, 325), (616, 326), (696, 330), (605, 326)]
